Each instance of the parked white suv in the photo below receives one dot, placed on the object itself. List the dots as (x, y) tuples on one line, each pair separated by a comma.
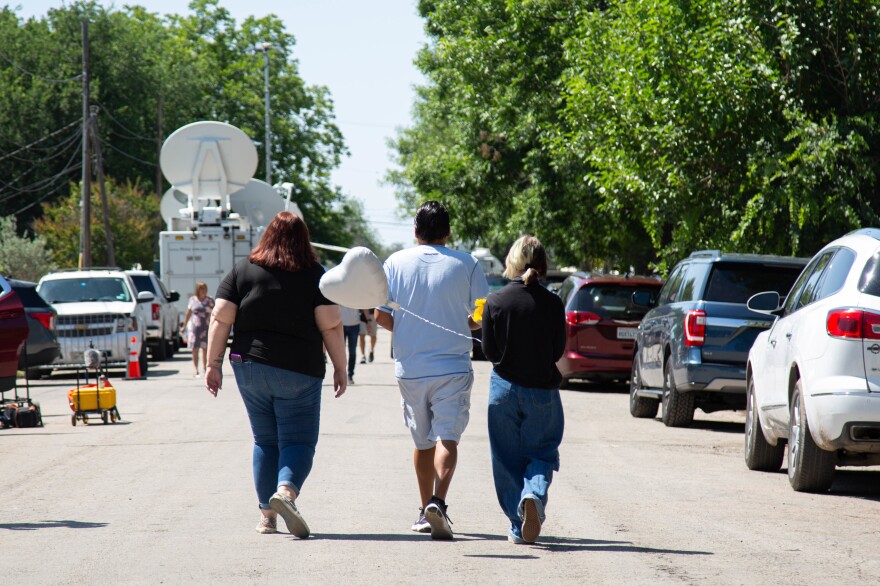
[(97, 308), (163, 316), (814, 376)]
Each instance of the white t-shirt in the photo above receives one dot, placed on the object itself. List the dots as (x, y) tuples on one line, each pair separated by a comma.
[(440, 285)]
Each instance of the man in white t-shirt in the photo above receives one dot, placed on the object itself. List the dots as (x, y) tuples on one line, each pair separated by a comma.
[(432, 360)]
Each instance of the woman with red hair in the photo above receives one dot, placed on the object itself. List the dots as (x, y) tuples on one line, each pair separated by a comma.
[(282, 322)]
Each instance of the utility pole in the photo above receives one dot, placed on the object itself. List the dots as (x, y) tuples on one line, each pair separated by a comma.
[(85, 236), (159, 130), (265, 48), (96, 144)]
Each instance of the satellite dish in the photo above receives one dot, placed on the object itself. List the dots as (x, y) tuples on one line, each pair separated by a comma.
[(259, 202), (208, 159), (172, 202)]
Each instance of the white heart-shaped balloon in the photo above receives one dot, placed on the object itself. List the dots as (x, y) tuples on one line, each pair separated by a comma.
[(358, 281)]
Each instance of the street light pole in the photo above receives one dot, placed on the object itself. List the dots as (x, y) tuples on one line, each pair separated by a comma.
[(265, 47)]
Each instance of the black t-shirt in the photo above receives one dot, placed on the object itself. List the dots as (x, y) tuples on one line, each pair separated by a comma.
[(275, 322), (524, 334)]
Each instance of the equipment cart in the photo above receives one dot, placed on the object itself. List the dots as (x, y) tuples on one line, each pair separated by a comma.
[(98, 398)]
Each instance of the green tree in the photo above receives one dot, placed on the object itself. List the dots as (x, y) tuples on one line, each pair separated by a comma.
[(484, 131), (22, 257), (195, 67), (134, 222)]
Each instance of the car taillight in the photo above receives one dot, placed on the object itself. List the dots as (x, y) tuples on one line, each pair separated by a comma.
[(853, 323), (695, 328), (582, 318), (156, 311), (47, 318)]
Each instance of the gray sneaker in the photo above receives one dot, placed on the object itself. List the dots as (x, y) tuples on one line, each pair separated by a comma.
[(435, 514), (421, 525), (288, 511)]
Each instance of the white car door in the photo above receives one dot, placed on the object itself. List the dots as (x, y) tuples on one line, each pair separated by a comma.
[(786, 335)]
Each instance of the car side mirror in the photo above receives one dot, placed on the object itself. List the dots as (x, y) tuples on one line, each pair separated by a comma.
[(643, 299), (767, 303), (173, 296), (145, 297)]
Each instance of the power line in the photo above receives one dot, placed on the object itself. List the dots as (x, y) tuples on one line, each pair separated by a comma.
[(41, 199), (132, 133), (48, 136), (132, 157), (41, 184), (59, 149), (72, 141), (40, 77)]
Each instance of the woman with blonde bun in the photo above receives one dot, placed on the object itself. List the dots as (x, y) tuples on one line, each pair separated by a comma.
[(524, 336)]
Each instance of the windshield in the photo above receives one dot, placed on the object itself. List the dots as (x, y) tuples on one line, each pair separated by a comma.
[(91, 289), (613, 301)]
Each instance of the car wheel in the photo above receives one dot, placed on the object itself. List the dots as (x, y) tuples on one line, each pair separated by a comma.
[(810, 468), (171, 346), (678, 407), (142, 360), (640, 406), (759, 454)]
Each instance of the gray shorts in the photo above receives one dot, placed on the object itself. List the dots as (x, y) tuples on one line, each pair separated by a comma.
[(436, 408), (368, 328)]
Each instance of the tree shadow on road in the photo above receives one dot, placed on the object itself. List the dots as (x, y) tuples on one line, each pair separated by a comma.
[(51, 525)]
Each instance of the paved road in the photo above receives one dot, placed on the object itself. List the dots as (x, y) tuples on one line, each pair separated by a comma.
[(166, 497)]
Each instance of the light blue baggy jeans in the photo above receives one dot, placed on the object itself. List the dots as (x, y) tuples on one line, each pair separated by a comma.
[(525, 430)]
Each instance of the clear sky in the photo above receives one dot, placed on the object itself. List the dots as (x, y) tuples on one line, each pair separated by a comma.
[(363, 52)]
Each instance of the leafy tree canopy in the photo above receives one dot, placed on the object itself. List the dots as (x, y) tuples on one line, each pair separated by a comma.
[(628, 134)]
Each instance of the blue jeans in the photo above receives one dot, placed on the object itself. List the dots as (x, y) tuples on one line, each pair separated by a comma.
[(351, 336), (525, 430), (284, 408)]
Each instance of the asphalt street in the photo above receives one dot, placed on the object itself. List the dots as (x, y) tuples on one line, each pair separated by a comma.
[(166, 497)]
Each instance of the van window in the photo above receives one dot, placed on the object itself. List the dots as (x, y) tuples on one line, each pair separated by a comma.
[(811, 289), (613, 301), (836, 273)]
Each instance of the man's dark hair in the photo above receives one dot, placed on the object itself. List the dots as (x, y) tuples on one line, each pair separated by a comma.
[(432, 222)]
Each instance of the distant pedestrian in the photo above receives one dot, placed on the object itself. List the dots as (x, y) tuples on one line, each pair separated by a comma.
[(432, 364), (524, 336), (368, 328), (351, 327), (197, 318), (281, 319)]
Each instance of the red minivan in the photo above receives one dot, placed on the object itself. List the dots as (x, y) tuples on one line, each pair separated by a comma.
[(601, 322), (13, 332)]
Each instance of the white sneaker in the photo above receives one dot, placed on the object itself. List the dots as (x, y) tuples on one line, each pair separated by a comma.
[(267, 525), (421, 525), (531, 526), (435, 514), (288, 511)]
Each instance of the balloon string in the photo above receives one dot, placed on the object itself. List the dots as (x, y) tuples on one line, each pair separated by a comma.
[(400, 307)]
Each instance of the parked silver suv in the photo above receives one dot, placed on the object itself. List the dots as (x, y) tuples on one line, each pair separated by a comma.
[(97, 308), (163, 316)]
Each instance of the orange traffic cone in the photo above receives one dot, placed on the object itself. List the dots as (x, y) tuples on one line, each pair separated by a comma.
[(134, 367), (134, 364)]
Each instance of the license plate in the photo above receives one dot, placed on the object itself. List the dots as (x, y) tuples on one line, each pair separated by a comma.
[(627, 333)]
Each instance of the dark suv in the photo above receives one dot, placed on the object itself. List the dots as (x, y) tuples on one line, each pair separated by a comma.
[(692, 346), (601, 323)]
